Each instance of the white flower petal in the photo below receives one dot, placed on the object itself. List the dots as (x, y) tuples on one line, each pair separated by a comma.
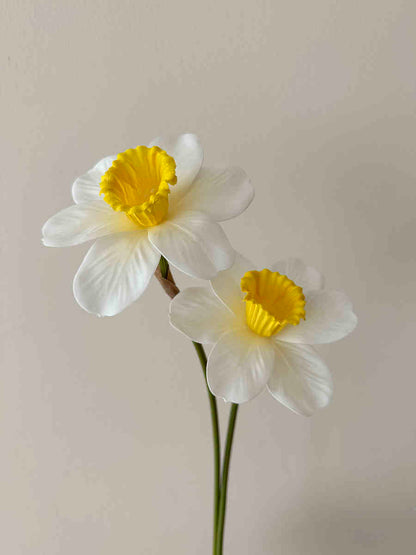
[(300, 379), (239, 366), (329, 317), (227, 284), (188, 154), (305, 276), (194, 244), (115, 272), (200, 315), (222, 194), (83, 222), (87, 187)]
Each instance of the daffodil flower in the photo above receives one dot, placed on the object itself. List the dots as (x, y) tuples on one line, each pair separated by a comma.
[(262, 324), (143, 203)]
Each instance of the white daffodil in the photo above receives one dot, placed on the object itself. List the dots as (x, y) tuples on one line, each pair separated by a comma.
[(262, 324), (127, 204)]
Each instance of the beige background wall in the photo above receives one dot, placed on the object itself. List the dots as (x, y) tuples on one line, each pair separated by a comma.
[(104, 426)]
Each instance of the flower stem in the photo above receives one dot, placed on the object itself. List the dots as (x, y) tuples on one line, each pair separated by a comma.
[(165, 278), (216, 438), (224, 484), (164, 267)]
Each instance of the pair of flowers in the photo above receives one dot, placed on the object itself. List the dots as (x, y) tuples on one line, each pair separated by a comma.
[(158, 200)]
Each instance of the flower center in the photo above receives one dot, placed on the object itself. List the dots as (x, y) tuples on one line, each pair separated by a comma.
[(138, 184), (272, 302)]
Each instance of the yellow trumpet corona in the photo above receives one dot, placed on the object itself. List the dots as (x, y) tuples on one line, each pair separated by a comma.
[(138, 182), (272, 302)]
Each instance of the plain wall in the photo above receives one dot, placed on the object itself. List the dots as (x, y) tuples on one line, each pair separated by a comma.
[(104, 424)]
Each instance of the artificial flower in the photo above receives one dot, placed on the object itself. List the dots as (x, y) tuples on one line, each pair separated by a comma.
[(261, 325), (141, 204)]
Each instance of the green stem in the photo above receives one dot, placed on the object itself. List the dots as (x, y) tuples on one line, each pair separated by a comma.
[(216, 437), (164, 267), (167, 277), (224, 484)]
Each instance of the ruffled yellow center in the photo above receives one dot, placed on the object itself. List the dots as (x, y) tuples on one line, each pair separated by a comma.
[(138, 184), (272, 302)]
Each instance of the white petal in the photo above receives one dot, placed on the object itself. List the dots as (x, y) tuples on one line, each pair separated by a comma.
[(300, 380), (200, 315), (222, 194), (188, 154), (305, 276), (87, 187), (329, 317), (115, 272), (239, 366), (227, 284), (194, 244), (83, 222)]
